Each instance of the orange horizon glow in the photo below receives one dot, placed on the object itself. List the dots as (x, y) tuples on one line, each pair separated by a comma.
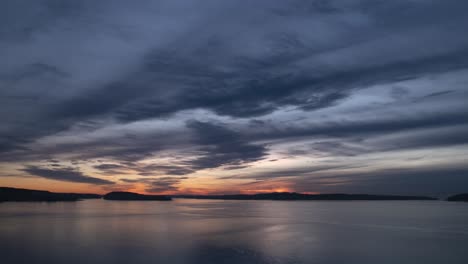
[(185, 191)]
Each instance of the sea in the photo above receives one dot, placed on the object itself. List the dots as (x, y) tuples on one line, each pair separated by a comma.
[(218, 231)]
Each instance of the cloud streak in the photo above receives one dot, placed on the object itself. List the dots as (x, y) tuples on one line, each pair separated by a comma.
[(64, 174)]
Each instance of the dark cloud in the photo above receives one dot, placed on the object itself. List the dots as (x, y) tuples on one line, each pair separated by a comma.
[(144, 169), (33, 70), (133, 180), (216, 146), (295, 68), (222, 147), (258, 95), (438, 93), (157, 185), (336, 148), (355, 144), (299, 172), (111, 169), (67, 174), (369, 127), (164, 184), (157, 169), (428, 180), (108, 166), (126, 150)]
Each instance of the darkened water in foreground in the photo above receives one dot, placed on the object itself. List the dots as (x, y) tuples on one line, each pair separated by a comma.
[(202, 231)]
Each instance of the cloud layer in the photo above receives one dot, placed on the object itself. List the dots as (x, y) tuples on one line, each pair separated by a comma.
[(64, 174), (190, 94)]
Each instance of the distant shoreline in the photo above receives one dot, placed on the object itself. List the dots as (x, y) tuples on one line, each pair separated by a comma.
[(129, 196), (8, 194), (26, 195), (285, 196)]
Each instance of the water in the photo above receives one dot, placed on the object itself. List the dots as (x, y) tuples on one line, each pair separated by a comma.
[(210, 231)]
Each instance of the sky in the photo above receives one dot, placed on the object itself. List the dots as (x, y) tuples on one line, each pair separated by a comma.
[(221, 97)]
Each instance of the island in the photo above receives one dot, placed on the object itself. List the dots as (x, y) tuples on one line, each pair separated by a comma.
[(8, 194), (291, 196), (462, 197), (129, 196)]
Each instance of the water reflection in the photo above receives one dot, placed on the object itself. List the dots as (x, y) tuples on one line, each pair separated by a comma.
[(202, 231)]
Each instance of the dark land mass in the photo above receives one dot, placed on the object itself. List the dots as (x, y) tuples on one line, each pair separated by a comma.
[(129, 196), (285, 196), (463, 197), (86, 195), (19, 195), (24, 195)]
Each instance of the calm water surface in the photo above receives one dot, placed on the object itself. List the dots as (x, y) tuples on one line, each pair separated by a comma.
[(210, 231)]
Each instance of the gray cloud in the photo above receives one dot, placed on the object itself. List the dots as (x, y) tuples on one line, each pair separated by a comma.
[(430, 180), (64, 174), (369, 127), (301, 62), (164, 184), (132, 180), (357, 144), (109, 167), (221, 146), (157, 169)]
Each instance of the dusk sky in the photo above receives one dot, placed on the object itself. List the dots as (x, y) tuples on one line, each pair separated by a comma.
[(210, 96)]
